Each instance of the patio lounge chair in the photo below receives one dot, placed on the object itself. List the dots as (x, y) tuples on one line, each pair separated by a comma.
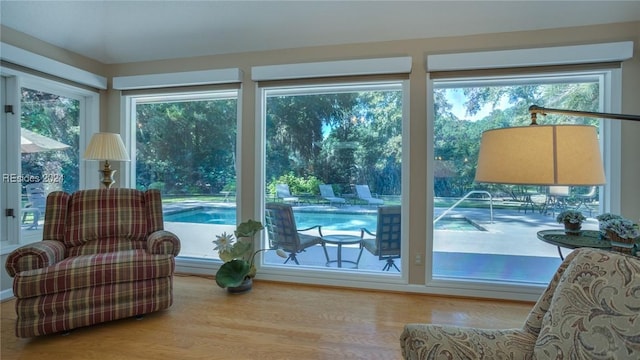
[(386, 244), (283, 233), (36, 204), (363, 193), (326, 191), (282, 192)]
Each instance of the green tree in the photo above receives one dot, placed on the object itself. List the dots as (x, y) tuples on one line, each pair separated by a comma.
[(186, 147), (56, 117)]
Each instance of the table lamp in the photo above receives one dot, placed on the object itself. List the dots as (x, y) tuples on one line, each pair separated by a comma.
[(106, 146)]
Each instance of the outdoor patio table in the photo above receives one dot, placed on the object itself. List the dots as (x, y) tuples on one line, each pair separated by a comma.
[(341, 239)]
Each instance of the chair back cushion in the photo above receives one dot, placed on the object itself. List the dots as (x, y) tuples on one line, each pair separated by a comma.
[(121, 219), (388, 237), (281, 227), (594, 312)]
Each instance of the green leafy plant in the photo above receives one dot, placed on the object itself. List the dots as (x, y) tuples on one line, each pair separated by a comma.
[(625, 228), (236, 250), (603, 218), (297, 184), (571, 216)]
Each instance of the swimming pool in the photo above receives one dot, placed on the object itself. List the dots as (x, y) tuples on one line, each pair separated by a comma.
[(334, 220)]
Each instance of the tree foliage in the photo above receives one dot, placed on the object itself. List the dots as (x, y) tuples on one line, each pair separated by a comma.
[(339, 136), (186, 147), (457, 140), (56, 117)]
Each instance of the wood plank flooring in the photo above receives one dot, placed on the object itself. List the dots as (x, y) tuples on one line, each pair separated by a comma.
[(273, 321)]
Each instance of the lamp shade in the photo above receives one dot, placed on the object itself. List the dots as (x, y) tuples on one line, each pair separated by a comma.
[(541, 155), (106, 146)]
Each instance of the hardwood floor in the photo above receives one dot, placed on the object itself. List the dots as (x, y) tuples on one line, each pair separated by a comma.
[(273, 321)]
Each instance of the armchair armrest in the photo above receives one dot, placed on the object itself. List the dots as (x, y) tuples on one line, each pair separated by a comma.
[(365, 231), (163, 242), (313, 227), (426, 341), (35, 256)]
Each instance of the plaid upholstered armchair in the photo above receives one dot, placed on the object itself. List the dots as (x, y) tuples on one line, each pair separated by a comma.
[(104, 256)]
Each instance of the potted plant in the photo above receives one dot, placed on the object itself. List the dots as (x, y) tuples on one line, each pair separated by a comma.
[(602, 221), (622, 232), (238, 270), (572, 221)]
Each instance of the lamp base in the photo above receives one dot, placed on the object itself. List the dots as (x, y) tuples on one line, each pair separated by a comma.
[(107, 175)]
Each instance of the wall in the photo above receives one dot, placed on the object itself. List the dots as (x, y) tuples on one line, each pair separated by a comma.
[(418, 49)]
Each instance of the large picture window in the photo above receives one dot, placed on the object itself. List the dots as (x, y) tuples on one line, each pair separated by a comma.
[(185, 146), (334, 157), (488, 232)]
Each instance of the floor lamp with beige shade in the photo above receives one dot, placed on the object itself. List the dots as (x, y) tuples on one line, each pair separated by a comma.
[(106, 146), (544, 154)]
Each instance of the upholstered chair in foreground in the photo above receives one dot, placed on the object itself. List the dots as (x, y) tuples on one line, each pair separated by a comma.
[(590, 310), (104, 256)]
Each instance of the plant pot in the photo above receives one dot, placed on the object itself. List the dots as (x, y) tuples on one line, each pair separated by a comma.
[(244, 287), (572, 228), (621, 244)]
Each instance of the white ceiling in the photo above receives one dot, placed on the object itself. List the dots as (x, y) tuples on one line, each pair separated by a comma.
[(130, 31)]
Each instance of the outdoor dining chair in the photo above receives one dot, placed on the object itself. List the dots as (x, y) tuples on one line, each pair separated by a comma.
[(284, 234), (557, 198), (585, 200), (387, 238)]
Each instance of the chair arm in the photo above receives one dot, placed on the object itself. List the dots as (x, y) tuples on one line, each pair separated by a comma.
[(313, 227), (363, 231), (35, 256), (426, 341), (163, 242)]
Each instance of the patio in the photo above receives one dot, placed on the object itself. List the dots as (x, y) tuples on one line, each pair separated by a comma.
[(507, 249)]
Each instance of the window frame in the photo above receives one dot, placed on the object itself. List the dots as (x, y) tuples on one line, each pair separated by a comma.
[(333, 276), (610, 101), (88, 121), (174, 95)]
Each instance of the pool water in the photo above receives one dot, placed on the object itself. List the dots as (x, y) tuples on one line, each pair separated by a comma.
[(306, 219)]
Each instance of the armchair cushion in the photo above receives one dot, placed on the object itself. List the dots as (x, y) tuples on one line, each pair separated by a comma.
[(93, 215), (422, 341), (92, 270)]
